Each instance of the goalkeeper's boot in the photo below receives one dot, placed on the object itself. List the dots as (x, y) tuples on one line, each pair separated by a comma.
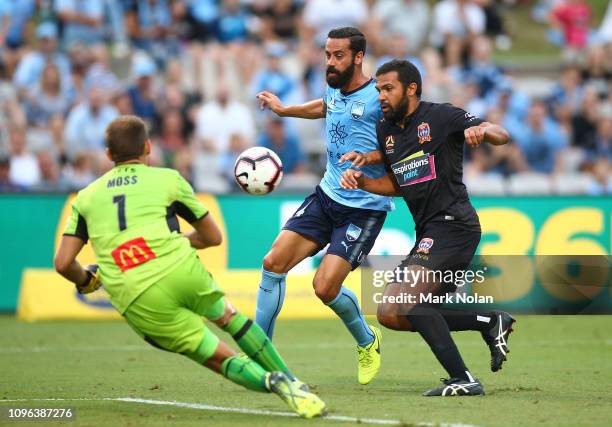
[(305, 404), (457, 387), (300, 384), (496, 338), (369, 358)]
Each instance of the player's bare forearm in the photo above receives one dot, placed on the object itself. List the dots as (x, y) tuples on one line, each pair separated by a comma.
[(373, 157), (206, 233), (384, 186), (65, 260), (197, 242), (74, 272), (495, 134), (314, 109)]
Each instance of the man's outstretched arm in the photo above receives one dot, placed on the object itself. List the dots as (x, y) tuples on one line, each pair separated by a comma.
[(315, 109), (489, 132)]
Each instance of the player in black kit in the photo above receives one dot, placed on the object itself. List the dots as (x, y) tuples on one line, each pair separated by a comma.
[(421, 143)]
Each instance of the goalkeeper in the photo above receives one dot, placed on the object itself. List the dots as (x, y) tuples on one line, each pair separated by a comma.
[(153, 274)]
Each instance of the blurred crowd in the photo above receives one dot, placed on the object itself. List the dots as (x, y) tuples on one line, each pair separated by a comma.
[(191, 69)]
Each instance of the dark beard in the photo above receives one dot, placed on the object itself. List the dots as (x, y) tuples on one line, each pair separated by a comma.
[(397, 114), (342, 78)]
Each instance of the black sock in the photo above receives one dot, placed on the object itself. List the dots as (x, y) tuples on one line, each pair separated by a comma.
[(458, 320), (428, 322)]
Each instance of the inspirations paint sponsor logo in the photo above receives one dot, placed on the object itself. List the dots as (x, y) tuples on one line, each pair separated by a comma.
[(416, 168)]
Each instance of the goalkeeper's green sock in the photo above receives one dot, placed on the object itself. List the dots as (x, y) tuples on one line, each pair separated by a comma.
[(245, 372), (256, 344)]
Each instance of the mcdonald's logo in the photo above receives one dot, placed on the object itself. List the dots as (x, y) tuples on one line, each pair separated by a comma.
[(132, 254)]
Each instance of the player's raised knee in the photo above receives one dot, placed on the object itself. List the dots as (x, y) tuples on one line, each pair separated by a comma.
[(388, 321), (275, 262), (392, 321), (323, 290)]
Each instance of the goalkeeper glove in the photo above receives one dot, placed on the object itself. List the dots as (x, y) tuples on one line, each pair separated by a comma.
[(92, 283)]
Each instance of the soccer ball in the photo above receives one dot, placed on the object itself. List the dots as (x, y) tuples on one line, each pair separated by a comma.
[(258, 170)]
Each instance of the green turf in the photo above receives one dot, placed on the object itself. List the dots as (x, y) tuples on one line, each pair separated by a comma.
[(558, 375)]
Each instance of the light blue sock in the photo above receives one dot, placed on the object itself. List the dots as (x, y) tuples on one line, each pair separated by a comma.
[(270, 297), (346, 306)]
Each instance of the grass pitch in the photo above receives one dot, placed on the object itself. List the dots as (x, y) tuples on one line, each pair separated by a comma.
[(557, 375)]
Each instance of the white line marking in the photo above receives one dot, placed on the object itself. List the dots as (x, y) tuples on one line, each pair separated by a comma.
[(205, 407)]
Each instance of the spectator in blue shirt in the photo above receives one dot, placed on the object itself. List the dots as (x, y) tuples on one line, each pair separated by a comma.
[(30, 68), (86, 124), (149, 24), (568, 92), (141, 94), (272, 78), (541, 140), (203, 19), (599, 157), (5, 20), (603, 140), (100, 73), (17, 13), (285, 144), (48, 99), (83, 21), (233, 33), (513, 103), (480, 68), (232, 22)]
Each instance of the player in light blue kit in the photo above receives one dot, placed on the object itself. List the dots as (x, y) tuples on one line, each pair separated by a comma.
[(348, 220)]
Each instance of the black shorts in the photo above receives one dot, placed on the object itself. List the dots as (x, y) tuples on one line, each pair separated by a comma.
[(350, 232), (444, 246)]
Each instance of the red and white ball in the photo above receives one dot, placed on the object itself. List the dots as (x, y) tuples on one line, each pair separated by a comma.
[(258, 170)]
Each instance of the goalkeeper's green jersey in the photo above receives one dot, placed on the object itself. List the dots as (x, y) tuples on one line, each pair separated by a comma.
[(129, 214)]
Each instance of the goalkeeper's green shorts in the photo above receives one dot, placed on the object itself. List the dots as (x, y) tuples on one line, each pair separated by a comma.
[(169, 313)]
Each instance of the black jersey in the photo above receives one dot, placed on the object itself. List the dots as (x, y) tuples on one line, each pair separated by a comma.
[(426, 158)]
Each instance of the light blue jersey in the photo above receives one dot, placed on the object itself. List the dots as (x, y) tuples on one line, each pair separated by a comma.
[(350, 125)]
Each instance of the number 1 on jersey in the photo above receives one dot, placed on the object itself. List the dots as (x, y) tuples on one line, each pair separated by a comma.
[(120, 200)]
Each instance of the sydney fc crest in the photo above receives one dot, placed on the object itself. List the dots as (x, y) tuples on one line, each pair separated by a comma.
[(424, 133), (357, 109), (352, 232)]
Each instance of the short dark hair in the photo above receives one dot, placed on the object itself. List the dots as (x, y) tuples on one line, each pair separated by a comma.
[(356, 38), (125, 138), (407, 73)]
